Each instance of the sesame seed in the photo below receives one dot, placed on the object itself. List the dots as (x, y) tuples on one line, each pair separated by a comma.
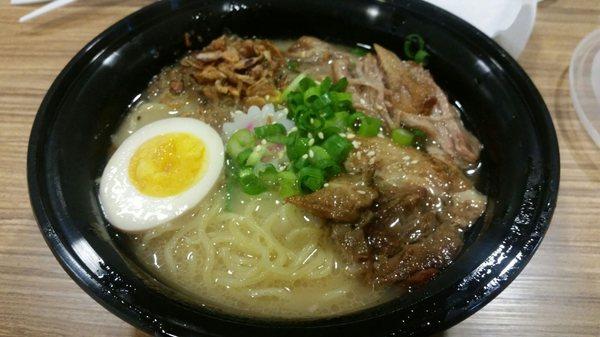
[(293, 129), (326, 185), (380, 135), (356, 144), (311, 142), (414, 161), (263, 142), (312, 121), (371, 153), (311, 154), (342, 134), (305, 156), (351, 136), (361, 192), (309, 135), (321, 135)]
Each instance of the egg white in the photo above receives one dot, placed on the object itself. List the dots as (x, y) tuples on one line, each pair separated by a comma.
[(128, 209)]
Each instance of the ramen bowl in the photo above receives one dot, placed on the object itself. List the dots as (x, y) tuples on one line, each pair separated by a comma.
[(69, 144)]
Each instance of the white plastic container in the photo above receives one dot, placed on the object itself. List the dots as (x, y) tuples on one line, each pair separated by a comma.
[(584, 81)]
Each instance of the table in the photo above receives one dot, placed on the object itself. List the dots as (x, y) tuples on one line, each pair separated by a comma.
[(558, 294)]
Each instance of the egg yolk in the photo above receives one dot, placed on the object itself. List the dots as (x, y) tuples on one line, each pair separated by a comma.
[(168, 164)]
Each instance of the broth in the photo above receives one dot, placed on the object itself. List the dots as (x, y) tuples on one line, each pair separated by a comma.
[(268, 256)]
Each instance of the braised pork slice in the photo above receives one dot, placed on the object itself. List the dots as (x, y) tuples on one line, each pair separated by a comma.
[(395, 166), (423, 207), (403, 173), (415, 100), (342, 200), (411, 224), (418, 262)]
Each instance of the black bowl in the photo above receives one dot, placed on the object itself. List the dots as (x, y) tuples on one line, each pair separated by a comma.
[(70, 137)]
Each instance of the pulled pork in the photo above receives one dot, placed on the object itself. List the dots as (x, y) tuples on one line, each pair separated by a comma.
[(415, 100), (401, 93)]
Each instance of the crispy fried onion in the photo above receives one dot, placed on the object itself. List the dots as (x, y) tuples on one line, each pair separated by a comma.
[(240, 68)]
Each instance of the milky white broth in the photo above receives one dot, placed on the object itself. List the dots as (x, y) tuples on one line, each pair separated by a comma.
[(193, 253)]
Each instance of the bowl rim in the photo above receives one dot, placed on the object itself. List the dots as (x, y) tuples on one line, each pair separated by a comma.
[(69, 261)]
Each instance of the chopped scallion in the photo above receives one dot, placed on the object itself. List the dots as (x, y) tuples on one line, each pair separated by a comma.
[(402, 137), (293, 85), (242, 139), (296, 145), (243, 156), (311, 94), (325, 85), (300, 163), (311, 178), (319, 154), (274, 133), (339, 86), (337, 147), (310, 121), (369, 127), (250, 183), (358, 51), (268, 175), (330, 168), (414, 48), (288, 184), (256, 155)]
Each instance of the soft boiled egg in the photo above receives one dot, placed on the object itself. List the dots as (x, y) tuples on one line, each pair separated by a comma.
[(159, 172)]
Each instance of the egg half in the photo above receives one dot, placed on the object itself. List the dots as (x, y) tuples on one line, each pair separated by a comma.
[(160, 172)]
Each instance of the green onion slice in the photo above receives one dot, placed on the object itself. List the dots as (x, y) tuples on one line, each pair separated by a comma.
[(274, 133), (311, 94), (414, 48), (317, 154), (369, 127), (296, 145), (310, 121), (337, 147), (311, 178), (340, 85), (293, 85), (249, 182), (243, 156), (242, 139), (330, 168), (268, 175), (358, 51), (402, 137), (288, 184)]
